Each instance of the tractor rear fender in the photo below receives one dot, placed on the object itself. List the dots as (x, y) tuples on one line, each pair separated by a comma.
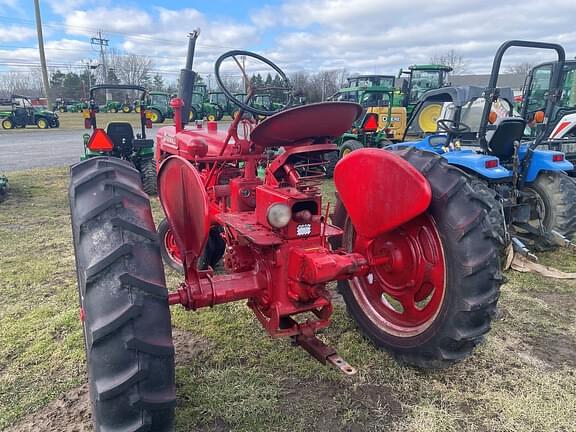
[(546, 160), (380, 190), (185, 203), (485, 166)]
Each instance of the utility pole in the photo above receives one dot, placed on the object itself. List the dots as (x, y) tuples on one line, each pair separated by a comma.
[(45, 81), (102, 42)]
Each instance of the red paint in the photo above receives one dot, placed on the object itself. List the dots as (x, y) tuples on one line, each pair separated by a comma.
[(560, 128), (408, 270), (209, 178), (380, 190)]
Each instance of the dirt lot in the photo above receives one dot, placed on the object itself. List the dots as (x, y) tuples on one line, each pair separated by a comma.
[(232, 377)]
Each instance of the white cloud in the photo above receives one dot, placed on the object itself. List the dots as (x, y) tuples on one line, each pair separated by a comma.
[(115, 19), (16, 33)]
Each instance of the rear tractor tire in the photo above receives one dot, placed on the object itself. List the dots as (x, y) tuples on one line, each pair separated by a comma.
[(557, 193), (434, 301), (123, 299), (156, 116), (149, 177)]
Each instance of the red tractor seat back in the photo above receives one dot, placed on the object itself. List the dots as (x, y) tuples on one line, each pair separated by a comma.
[(119, 131), (508, 131), (319, 120)]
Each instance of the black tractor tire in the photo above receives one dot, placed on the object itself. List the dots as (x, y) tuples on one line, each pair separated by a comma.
[(473, 275), (123, 299), (331, 159), (159, 118), (7, 123), (126, 109), (113, 110), (42, 123), (212, 254), (55, 123), (192, 114), (149, 177), (349, 146), (62, 109), (489, 197), (219, 114), (557, 192)]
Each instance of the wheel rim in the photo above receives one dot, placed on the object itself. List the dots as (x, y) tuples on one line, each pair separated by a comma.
[(42, 124), (7, 124), (346, 152), (154, 116), (137, 109), (171, 247), (191, 116), (126, 109), (405, 288), (537, 213), (211, 117), (428, 117)]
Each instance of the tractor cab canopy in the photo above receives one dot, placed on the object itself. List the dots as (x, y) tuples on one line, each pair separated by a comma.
[(218, 98), (366, 81), (120, 132), (462, 105)]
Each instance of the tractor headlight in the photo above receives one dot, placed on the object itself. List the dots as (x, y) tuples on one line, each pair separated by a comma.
[(279, 215)]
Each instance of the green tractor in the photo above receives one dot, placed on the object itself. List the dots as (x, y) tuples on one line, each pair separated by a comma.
[(111, 107), (21, 114), (118, 139), (218, 98), (212, 111), (159, 107), (421, 78), (376, 93)]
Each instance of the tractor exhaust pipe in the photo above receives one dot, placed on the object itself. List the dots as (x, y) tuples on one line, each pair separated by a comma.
[(187, 77)]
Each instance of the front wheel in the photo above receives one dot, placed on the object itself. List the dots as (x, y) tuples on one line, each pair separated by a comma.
[(113, 110), (433, 298), (7, 124), (123, 299), (126, 109), (149, 177), (349, 146), (171, 254)]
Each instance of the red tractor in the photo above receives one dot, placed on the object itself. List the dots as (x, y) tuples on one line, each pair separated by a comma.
[(410, 246)]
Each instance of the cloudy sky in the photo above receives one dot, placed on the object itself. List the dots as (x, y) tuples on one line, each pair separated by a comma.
[(377, 36)]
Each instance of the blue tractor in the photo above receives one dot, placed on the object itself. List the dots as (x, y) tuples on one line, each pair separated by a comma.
[(479, 132)]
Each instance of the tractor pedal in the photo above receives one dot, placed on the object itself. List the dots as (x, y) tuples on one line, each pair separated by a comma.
[(342, 365), (560, 240), (521, 249)]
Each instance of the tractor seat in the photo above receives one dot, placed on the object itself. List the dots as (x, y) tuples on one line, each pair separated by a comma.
[(118, 131), (509, 130)]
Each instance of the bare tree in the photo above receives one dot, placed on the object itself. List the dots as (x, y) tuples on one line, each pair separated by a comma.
[(131, 68), (26, 83), (450, 58), (520, 68)]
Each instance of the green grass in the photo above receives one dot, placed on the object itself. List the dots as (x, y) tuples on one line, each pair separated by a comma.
[(232, 376)]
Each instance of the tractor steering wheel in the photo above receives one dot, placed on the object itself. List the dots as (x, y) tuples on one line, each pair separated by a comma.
[(452, 126), (252, 88)]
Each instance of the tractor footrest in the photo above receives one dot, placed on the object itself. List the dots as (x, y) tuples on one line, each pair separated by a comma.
[(324, 353)]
